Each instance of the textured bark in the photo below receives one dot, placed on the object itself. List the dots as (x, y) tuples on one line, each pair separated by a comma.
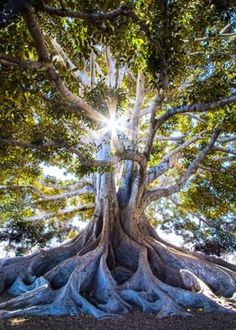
[(115, 264)]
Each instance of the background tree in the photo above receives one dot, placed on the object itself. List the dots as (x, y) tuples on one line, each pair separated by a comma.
[(137, 101)]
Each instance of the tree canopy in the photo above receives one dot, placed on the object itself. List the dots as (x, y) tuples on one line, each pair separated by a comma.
[(185, 48), (135, 101)]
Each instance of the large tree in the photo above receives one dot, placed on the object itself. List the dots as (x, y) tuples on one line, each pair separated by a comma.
[(137, 100)]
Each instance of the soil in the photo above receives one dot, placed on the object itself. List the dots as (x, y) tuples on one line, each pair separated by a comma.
[(134, 320)]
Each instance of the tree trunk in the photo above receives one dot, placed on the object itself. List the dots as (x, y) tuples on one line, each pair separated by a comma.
[(117, 262)]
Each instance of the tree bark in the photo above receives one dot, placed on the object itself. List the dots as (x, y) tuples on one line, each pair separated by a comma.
[(116, 263)]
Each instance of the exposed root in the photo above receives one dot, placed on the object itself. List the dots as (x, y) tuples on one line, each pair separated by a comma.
[(41, 295), (41, 262), (111, 273)]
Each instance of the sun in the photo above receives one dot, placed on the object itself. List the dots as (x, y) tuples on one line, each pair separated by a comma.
[(114, 124)]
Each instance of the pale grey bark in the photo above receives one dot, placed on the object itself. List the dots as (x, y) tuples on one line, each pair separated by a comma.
[(165, 192), (78, 192), (225, 150), (137, 108), (52, 74), (81, 76), (118, 261), (156, 171), (61, 212)]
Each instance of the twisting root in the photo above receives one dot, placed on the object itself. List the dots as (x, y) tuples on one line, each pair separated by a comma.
[(110, 272)]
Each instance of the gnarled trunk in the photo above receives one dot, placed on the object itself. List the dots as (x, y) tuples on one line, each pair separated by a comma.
[(117, 262)]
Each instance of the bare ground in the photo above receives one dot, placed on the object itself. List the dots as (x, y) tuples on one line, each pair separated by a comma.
[(134, 320)]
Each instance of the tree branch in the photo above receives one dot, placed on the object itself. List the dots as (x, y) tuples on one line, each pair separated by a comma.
[(91, 17), (82, 182), (98, 17), (205, 168), (192, 169), (137, 107), (200, 218), (227, 151), (124, 155), (197, 107), (111, 64), (14, 61), (78, 192), (84, 186), (196, 117), (45, 216), (156, 104), (163, 167), (229, 139), (166, 138), (156, 171), (81, 76), (52, 74), (21, 187), (47, 144), (224, 159)]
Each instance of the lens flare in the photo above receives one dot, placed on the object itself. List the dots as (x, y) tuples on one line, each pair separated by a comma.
[(114, 124)]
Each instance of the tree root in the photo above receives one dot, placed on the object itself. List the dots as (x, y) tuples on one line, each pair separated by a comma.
[(107, 276)]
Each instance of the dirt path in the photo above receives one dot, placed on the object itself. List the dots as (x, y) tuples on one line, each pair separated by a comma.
[(135, 320)]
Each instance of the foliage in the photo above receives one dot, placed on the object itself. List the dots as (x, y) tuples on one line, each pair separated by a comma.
[(182, 37)]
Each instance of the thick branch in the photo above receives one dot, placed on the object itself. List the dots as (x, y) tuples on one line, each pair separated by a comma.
[(52, 198), (21, 187), (197, 107), (98, 17), (124, 155), (229, 139), (155, 123), (161, 168), (137, 107), (14, 61), (82, 182), (227, 151), (83, 78), (192, 169), (45, 216), (156, 104), (91, 17), (156, 171), (52, 74), (111, 64)]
